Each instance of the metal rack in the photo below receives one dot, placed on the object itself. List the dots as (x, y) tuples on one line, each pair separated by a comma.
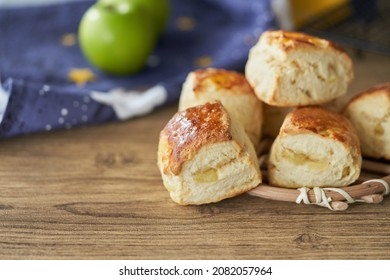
[(365, 25)]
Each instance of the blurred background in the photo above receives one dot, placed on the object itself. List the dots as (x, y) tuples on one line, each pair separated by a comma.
[(16, 3), (361, 24)]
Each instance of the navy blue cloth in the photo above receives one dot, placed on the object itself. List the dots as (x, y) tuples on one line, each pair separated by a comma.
[(34, 65)]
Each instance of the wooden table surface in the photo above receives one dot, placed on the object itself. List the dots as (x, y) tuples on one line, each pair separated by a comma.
[(96, 193)]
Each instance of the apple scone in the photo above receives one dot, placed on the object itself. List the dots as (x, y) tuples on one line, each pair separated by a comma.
[(289, 69), (315, 148), (204, 156)]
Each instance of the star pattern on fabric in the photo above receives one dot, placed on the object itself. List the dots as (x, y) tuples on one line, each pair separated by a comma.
[(68, 39), (185, 23), (81, 76), (203, 61)]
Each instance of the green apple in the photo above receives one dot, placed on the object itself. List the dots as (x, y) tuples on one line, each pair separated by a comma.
[(117, 36), (160, 10)]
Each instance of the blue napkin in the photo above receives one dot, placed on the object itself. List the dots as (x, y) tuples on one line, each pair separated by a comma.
[(38, 50)]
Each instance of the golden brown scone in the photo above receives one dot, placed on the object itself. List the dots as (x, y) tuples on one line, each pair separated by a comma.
[(369, 112), (289, 69), (315, 148), (234, 92), (204, 155)]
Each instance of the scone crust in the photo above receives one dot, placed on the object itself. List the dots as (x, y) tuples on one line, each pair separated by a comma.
[(288, 41), (222, 79), (381, 89), (320, 121), (191, 129)]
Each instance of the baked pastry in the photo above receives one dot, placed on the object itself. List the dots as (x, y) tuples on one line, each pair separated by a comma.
[(205, 156), (315, 148), (234, 92), (369, 112), (289, 69)]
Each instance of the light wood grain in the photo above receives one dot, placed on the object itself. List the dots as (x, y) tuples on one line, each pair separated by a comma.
[(96, 193)]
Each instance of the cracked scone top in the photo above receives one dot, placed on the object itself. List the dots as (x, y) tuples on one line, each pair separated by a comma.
[(220, 79), (315, 148), (188, 131), (369, 112), (288, 69), (205, 156)]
